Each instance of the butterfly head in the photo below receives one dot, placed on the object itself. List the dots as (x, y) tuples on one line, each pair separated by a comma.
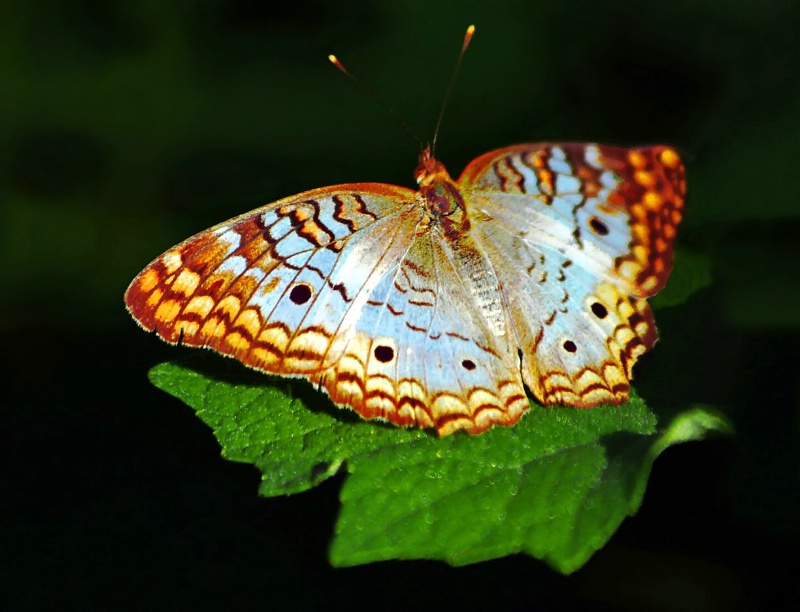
[(441, 196), (429, 169)]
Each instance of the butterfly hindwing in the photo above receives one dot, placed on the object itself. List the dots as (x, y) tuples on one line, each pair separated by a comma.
[(422, 355)]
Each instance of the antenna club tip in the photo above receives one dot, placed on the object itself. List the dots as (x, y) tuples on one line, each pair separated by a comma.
[(335, 61), (467, 38)]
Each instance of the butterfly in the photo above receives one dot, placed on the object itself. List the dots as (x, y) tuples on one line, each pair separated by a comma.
[(438, 307)]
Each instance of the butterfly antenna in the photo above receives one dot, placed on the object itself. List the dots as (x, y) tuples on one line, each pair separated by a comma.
[(372, 94), (467, 39)]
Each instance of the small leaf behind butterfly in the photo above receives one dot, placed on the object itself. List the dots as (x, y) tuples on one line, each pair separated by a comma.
[(556, 486), (691, 272)]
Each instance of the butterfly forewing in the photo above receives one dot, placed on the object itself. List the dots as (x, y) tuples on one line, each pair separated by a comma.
[(625, 202), (220, 287)]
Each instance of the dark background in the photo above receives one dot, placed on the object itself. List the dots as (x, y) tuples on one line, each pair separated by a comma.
[(127, 126)]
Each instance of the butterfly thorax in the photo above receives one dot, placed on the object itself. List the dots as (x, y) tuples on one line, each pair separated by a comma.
[(442, 198), (447, 210)]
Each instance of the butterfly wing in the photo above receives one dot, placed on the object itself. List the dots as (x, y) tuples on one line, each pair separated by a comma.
[(217, 288), (579, 235), (422, 353), (345, 287)]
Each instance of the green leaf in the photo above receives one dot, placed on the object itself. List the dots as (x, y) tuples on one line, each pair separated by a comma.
[(691, 271), (294, 447), (556, 486)]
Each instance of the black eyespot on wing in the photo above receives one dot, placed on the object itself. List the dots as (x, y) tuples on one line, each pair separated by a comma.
[(598, 227), (384, 354), (468, 364), (599, 310), (570, 347), (300, 294)]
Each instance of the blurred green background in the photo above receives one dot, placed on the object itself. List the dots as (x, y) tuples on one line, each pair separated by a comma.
[(128, 126)]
